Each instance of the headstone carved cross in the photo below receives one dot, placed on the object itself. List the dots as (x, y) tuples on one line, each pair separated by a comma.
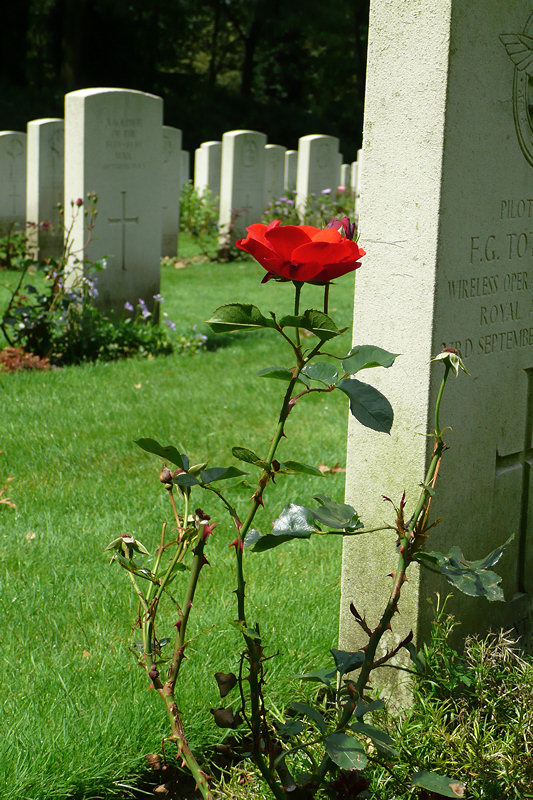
[(14, 194), (123, 221), (522, 460)]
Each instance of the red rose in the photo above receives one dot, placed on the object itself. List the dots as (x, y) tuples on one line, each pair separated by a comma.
[(301, 252)]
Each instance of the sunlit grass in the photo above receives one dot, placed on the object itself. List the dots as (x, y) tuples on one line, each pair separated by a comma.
[(78, 715)]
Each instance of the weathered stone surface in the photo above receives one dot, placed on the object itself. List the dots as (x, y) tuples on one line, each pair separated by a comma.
[(446, 213), (171, 183), (242, 182), (12, 180), (113, 146), (44, 186)]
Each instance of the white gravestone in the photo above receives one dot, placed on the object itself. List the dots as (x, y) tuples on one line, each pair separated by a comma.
[(207, 169), (12, 180), (171, 183), (446, 215), (242, 182), (185, 167), (291, 169), (344, 177), (274, 172), (44, 186), (354, 168), (318, 166), (113, 146)]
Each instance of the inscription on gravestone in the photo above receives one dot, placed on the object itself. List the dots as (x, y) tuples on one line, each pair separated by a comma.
[(113, 147), (451, 265)]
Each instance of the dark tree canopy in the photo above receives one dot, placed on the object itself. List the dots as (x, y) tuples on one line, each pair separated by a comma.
[(287, 69)]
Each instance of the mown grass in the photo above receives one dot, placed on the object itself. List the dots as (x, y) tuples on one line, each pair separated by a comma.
[(78, 717)]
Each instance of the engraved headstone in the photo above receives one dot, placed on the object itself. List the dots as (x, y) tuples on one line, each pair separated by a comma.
[(318, 166), (274, 172), (44, 187), (12, 180), (207, 169), (170, 190), (113, 147), (291, 169), (447, 212), (242, 182)]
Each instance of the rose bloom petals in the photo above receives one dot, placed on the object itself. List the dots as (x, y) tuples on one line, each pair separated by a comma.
[(301, 252)]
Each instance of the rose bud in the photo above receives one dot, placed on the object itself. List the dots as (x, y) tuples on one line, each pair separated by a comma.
[(165, 476), (226, 681)]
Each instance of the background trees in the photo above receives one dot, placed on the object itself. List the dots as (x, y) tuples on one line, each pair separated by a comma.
[(284, 68)]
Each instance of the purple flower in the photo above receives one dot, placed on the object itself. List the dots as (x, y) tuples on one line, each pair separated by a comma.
[(325, 191), (144, 309), (128, 306), (171, 325), (158, 298)]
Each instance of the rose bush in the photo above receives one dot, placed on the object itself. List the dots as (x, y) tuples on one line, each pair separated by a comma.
[(302, 253)]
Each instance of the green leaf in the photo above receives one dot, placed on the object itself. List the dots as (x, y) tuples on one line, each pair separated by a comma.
[(367, 405), (470, 577), (319, 676), (314, 321), (219, 474), (167, 452), (346, 661), (184, 479), (336, 515), (238, 317), (381, 739), (280, 374), (363, 707), (346, 751), (313, 714), (321, 371), (251, 537), (294, 522), (364, 356), (296, 467), (243, 454), (447, 787), (290, 728)]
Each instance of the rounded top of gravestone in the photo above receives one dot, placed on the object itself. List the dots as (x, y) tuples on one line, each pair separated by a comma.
[(172, 128), (211, 143), (275, 147), (36, 123), (109, 90), (242, 132), (12, 133), (312, 136)]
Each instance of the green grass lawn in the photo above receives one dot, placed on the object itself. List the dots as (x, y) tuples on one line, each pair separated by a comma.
[(78, 717)]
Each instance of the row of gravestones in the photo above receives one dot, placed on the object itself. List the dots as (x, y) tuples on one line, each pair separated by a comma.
[(112, 142)]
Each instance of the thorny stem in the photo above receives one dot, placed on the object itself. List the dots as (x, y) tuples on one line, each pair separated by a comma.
[(326, 297), (406, 547)]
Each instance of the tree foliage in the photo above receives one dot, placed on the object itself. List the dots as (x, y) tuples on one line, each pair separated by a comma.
[(287, 69)]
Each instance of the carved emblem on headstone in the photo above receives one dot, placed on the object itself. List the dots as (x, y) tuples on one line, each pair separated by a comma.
[(519, 47)]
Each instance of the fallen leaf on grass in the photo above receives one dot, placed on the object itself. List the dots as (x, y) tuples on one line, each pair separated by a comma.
[(5, 500), (85, 654), (330, 470), (137, 385), (30, 535)]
